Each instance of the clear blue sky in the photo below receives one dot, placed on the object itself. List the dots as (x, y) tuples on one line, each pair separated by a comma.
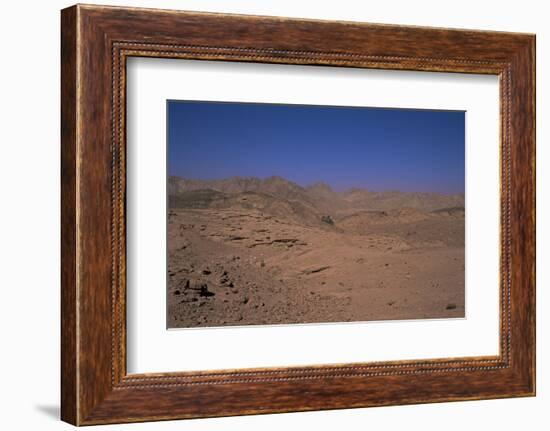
[(378, 149)]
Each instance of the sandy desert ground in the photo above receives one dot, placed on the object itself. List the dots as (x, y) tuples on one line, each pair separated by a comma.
[(247, 251)]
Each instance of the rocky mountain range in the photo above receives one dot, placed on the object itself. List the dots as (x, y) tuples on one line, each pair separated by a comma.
[(280, 196)]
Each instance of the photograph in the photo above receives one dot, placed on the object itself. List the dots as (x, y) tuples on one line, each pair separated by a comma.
[(284, 214)]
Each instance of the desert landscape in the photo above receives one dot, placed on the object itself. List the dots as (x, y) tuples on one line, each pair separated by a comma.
[(256, 251)]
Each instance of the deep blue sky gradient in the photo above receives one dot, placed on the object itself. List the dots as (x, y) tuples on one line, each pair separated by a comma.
[(378, 149)]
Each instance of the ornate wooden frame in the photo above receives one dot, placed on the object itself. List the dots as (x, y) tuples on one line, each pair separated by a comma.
[(95, 43)]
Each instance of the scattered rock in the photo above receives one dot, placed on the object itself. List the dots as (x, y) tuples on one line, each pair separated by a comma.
[(224, 278), (316, 270), (206, 271), (286, 240), (450, 306), (205, 292), (327, 219), (177, 292)]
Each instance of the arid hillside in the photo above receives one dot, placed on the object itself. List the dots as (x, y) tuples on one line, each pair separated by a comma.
[(245, 251)]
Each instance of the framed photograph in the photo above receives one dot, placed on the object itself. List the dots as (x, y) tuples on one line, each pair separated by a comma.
[(264, 215)]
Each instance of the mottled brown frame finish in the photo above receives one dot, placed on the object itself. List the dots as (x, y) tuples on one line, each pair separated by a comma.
[(95, 43)]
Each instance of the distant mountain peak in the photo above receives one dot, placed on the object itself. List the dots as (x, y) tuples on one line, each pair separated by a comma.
[(277, 179), (320, 186), (356, 190)]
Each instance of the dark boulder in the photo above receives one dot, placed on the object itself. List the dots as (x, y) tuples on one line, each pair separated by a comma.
[(205, 292)]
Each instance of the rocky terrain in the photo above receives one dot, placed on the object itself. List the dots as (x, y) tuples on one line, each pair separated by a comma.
[(244, 251)]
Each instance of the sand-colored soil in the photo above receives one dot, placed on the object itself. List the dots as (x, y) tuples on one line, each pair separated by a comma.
[(238, 265)]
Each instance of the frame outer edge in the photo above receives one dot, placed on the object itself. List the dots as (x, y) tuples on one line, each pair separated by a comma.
[(69, 202), (531, 83), (87, 397), (523, 179), (532, 80), (533, 54)]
